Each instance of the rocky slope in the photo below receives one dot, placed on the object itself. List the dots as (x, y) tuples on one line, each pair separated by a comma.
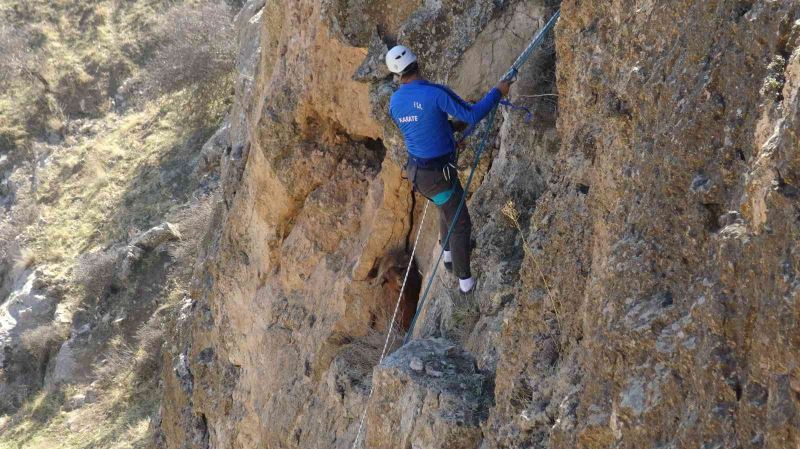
[(636, 244), (105, 195), (676, 270)]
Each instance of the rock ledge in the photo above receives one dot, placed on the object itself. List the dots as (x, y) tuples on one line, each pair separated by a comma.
[(428, 394)]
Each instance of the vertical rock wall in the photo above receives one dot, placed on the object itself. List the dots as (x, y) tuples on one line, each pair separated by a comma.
[(665, 247), (635, 243)]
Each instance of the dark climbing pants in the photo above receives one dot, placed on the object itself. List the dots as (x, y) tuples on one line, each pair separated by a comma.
[(433, 181)]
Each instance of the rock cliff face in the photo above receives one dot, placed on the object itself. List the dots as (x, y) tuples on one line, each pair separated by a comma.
[(636, 243), (683, 130)]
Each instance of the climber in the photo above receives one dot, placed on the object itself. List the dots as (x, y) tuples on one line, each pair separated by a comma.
[(421, 109)]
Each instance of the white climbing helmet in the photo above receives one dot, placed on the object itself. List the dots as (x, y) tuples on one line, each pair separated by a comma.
[(399, 58)]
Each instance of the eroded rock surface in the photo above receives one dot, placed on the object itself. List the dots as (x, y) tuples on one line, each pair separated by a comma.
[(26, 310), (428, 394), (659, 252), (635, 244)]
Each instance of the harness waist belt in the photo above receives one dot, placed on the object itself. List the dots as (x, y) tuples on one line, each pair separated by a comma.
[(431, 164), (442, 197)]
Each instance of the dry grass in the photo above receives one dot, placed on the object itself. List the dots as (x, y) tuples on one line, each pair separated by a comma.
[(84, 50), (133, 365), (509, 210), (41, 342), (521, 396), (96, 271), (19, 59), (202, 38), (115, 421), (126, 391), (27, 105), (22, 216), (115, 366), (84, 188), (464, 316), (44, 406), (363, 353), (21, 259), (24, 260), (11, 397), (195, 221), (147, 357), (98, 184)]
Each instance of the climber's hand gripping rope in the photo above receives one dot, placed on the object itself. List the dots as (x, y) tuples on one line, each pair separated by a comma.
[(511, 76)]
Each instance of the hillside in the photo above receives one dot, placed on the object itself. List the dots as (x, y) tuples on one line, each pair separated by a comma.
[(105, 194), (225, 279)]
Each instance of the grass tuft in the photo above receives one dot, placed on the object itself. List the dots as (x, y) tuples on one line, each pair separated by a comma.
[(509, 210)]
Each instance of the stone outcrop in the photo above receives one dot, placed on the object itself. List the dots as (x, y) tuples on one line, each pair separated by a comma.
[(123, 269), (666, 306), (635, 243), (26, 312), (428, 394)]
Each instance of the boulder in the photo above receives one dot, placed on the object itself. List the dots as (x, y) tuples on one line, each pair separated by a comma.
[(156, 236), (212, 151), (439, 406), (24, 339), (26, 308)]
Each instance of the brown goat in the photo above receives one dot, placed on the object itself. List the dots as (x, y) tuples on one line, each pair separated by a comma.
[(390, 274)]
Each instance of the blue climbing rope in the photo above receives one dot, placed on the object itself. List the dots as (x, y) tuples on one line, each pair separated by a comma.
[(509, 76), (535, 43), (487, 131)]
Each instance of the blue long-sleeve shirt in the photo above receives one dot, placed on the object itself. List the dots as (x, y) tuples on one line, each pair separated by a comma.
[(420, 110)]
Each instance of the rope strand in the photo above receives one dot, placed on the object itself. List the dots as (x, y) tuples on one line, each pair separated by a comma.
[(478, 152), (512, 72), (391, 323)]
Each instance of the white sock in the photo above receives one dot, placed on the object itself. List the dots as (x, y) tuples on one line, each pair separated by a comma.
[(448, 257), (466, 284)]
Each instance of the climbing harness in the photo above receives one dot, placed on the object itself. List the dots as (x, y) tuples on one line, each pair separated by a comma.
[(441, 198), (509, 76), (444, 163)]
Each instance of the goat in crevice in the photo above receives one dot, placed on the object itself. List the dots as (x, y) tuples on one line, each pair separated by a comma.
[(389, 277)]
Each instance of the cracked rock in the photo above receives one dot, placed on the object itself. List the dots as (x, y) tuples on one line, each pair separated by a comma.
[(433, 411)]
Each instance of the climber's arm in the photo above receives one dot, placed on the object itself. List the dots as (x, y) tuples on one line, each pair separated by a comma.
[(453, 105), (471, 114)]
